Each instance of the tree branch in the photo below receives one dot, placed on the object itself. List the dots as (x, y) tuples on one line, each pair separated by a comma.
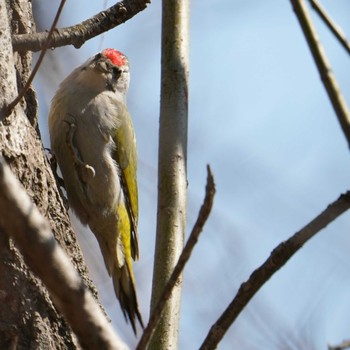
[(323, 66), (344, 345), (172, 167), (334, 28), (184, 257), (78, 34), (279, 256), (21, 220), (40, 59)]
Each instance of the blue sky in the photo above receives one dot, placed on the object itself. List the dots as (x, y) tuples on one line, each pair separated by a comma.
[(260, 117)]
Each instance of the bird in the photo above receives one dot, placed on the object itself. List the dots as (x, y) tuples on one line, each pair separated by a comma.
[(93, 140)]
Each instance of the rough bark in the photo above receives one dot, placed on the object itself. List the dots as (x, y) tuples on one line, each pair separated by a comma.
[(29, 320)]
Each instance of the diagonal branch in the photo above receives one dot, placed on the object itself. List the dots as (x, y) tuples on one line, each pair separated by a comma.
[(344, 345), (334, 28), (78, 34), (279, 256), (40, 59), (184, 257), (22, 221), (324, 68)]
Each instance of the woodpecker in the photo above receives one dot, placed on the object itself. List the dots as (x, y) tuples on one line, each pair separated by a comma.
[(93, 140)]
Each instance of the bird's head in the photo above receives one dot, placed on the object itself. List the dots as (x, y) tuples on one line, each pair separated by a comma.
[(107, 70)]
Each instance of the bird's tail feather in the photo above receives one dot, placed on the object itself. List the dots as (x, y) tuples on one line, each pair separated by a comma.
[(124, 286), (120, 269)]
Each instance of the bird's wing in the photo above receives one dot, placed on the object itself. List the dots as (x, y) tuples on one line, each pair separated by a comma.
[(126, 158)]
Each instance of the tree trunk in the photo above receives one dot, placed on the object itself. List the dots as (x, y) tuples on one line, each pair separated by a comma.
[(172, 168), (29, 319)]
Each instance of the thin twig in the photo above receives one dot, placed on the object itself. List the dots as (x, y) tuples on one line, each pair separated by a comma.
[(40, 59), (78, 34), (335, 29), (279, 256), (184, 257), (324, 68), (343, 345), (21, 220)]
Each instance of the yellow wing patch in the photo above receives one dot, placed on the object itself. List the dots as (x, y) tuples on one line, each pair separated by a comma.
[(124, 230), (126, 157)]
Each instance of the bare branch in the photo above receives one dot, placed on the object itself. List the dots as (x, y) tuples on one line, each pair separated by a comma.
[(21, 220), (184, 257), (344, 345), (78, 34), (279, 256), (40, 59), (323, 66), (172, 167), (335, 29)]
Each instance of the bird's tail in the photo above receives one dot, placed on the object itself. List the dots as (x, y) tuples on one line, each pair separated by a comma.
[(119, 267), (124, 286)]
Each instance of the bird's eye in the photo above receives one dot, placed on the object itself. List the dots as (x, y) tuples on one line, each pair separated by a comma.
[(116, 72)]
